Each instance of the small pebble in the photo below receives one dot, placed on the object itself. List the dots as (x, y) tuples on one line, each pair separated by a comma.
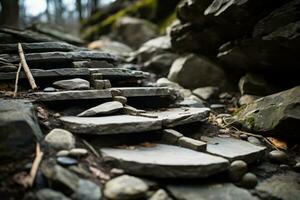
[(278, 156), (115, 92), (66, 161), (237, 170), (244, 136), (217, 106), (62, 153), (120, 99), (78, 152), (49, 89), (249, 181), (255, 141), (117, 171)]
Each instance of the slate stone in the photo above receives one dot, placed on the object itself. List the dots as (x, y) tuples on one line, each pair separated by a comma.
[(110, 124), (277, 114), (66, 161), (283, 186), (170, 136), (128, 123), (100, 94), (87, 190), (179, 116), (191, 143), (253, 84), (120, 99), (37, 47), (57, 56), (213, 191), (206, 93), (49, 74), (102, 109), (234, 149), (73, 84), (8, 68), (19, 129), (125, 187), (118, 73), (101, 84), (165, 161)]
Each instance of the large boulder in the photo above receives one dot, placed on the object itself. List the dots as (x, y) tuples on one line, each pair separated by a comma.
[(277, 114), (134, 32), (193, 71), (19, 129)]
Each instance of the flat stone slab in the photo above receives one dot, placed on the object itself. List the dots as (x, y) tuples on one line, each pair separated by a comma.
[(234, 149), (37, 47), (126, 123), (40, 58), (108, 73), (102, 109), (101, 94), (283, 186), (46, 74), (212, 191), (166, 161), (179, 116), (110, 124)]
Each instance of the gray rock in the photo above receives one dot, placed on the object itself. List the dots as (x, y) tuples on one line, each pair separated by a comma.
[(73, 84), (87, 190), (101, 84), (77, 152), (283, 186), (66, 161), (48, 194), (277, 114), (102, 109), (244, 136), (247, 99), (120, 99), (193, 103), (217, 106), (191, 143), (62, 153), (112, 47), (206, 93), (255, 141), (165, 161), (125, 187), (19, 129), (234, 149), (8, 68), (117, 73), (249, 181), (49, 89), (170, 136), (160, 195), (224, 191), (254, 85), (60, 139), (278, 156), (237, 170), (134, 32), (193, 71)]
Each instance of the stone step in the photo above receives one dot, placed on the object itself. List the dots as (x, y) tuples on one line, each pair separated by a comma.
[(100, 94), (234, 149), (38, 47), (165, 161), (118, 124), (117, 73), (57, 57), (211, 191)]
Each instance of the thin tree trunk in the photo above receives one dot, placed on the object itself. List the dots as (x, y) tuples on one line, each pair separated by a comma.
[(79, 9), (9, 15)]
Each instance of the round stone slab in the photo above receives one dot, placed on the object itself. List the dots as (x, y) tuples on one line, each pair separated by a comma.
[(166, 161)]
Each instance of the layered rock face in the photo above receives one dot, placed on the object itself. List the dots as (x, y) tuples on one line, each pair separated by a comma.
[(246, 36)]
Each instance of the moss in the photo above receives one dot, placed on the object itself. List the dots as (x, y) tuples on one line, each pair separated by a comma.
[(250, 122), (166, 22), (140, 8)]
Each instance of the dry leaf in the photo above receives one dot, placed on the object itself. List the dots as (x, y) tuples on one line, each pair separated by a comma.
[(278, 143)]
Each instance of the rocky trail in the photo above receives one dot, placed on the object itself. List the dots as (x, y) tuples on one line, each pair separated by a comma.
[(154, 123)]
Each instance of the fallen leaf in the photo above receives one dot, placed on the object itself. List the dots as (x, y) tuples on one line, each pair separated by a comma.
[(278, 143)]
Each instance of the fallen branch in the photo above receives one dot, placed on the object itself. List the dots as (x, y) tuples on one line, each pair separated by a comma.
[(17, 80), (91, 148), (26, 68), (28, 182)]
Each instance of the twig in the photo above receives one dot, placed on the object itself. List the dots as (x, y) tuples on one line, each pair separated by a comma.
[(28, 182), (91, 148), (26, 68), (17, 80)]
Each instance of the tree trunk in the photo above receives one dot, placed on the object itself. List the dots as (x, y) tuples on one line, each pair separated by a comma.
[(9, 15), (79, 9)]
